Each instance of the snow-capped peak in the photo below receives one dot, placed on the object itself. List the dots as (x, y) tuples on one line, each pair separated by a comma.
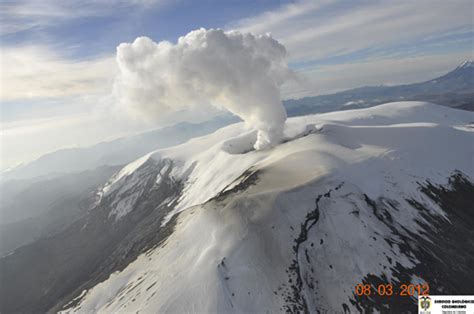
[(210, 164), (466, 64)]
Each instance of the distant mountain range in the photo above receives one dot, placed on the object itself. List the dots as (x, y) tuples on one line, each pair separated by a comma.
[(116, 152), (454, 89)]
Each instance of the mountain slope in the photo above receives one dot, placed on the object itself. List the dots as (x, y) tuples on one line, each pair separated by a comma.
[(370, 195)]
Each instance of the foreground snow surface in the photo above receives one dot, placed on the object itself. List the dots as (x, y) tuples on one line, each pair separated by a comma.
[(231, 251)]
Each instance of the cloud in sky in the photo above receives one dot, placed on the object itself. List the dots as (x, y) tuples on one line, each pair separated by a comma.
[(241, 73), (35, 72), (314, 30), (327, 36), (20, 15)]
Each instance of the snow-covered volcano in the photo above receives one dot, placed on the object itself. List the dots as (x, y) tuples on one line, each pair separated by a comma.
[(377, 195)]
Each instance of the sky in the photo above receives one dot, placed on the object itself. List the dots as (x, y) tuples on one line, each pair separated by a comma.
[(58, 66)]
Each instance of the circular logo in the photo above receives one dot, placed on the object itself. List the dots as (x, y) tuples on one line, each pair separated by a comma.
[(425, 303)]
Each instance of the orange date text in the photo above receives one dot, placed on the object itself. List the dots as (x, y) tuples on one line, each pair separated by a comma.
[(391, 290)]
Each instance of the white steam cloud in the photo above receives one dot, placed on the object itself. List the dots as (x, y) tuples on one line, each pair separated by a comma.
[(239, 72)]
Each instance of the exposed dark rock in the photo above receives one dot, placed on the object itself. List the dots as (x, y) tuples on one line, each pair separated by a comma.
[(246, 179), (294, 298), (445, 250)]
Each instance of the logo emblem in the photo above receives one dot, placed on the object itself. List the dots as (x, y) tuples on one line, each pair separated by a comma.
[(425, 303)]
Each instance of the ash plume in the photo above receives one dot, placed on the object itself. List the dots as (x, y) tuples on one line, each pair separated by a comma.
[(239, 72)]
